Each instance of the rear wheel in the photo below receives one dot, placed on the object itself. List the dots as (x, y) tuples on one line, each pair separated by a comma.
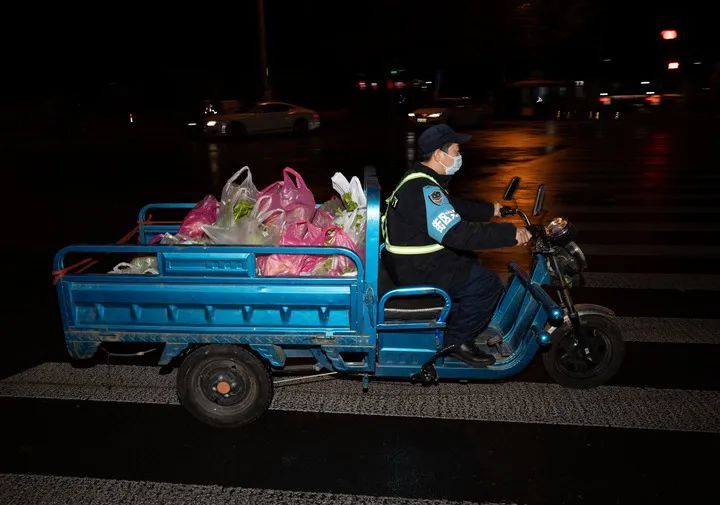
[(224, 386), (571, 367)]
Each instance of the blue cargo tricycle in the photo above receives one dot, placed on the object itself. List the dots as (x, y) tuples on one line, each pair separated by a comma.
[(230, 328)]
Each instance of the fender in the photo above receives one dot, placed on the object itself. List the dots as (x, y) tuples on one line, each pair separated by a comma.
[(584, 309)]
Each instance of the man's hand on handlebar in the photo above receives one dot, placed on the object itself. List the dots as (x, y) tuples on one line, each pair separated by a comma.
[(504, 211), (522, 236)]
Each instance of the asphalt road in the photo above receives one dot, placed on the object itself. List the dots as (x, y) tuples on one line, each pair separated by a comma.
[(643, 195)]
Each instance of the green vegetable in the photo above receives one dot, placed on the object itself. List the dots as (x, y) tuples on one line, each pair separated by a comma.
[(242, 209), (348, 201)]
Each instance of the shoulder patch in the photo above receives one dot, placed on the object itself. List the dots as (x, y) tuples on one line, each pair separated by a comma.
[(439, 212), (436, 197)]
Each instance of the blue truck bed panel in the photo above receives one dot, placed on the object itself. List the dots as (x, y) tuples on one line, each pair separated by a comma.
[(210, 307), (213, 294)]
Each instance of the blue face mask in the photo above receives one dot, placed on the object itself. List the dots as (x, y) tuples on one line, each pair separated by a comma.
[(456, 164)]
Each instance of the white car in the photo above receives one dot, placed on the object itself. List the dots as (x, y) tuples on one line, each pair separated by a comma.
[(453, 111), (264, 117)]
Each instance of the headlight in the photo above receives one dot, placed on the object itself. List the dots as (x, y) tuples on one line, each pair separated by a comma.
[(435, 114), (560, 231), (211, 123), (411, 114)]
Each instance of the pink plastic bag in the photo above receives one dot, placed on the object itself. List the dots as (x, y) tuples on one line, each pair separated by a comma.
[(204, 213), (301, 233), (322, 218), (293, 196), (337, 264)]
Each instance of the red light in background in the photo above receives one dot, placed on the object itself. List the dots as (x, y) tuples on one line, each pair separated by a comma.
[(399, 84), (362, 85), (653, 99), (605, 100), (673, 65), (389, 84), (668, 34)]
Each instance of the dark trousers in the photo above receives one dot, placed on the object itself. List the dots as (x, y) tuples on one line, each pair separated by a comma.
[(473, 305)]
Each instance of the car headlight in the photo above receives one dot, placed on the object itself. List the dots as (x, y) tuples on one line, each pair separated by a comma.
[(411, 114), (211, 123), (436, 114)]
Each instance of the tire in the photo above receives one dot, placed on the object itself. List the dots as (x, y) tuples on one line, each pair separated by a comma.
[(208, 368), (569, 368), (301, 126)]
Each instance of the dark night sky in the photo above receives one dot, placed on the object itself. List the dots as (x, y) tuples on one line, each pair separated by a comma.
[(316, 47)]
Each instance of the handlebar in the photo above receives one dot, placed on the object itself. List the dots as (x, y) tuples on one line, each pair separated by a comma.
[(506, 211)]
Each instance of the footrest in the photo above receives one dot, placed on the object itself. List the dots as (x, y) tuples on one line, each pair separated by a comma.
[(494, 340)]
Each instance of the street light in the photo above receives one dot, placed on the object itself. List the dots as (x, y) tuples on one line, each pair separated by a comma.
[(267, 90)]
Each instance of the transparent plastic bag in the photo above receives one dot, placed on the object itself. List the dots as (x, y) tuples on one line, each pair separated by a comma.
[(138, 266), (263, 226), (334, 206), (237, 200), (323, 218), (354, 223), (351, 192)]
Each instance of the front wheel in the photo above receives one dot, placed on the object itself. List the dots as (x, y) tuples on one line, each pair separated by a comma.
[(224, 386), (570, 367)]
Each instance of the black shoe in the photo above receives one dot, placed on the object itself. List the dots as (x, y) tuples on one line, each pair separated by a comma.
[(471, 354)]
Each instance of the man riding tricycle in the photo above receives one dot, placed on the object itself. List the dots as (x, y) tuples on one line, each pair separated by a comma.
[(229, 328)]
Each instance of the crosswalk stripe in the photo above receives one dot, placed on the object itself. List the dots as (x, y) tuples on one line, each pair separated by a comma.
[(670, 330), (681, 282), (636, 198), (684, 251), (651, 281), (50, 489), (645, 226), (609, 406), (635, 209)]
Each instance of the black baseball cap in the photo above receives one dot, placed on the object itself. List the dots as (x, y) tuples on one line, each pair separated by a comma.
[(437, 136)]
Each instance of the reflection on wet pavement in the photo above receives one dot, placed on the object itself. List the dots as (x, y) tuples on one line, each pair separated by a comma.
[(89, 190)]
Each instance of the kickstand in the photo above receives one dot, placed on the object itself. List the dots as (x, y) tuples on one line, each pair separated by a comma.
[(427, 376)]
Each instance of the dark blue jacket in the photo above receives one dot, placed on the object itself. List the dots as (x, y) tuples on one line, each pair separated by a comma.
[(424, 213)]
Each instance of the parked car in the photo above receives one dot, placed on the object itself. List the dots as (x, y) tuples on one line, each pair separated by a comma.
[(457, 112), (264, 117)]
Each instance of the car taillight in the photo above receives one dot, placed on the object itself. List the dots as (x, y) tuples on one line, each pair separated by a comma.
[(605, 100), (653, 99)]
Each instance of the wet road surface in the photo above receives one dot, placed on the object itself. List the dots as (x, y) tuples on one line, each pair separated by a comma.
[(643, 195)]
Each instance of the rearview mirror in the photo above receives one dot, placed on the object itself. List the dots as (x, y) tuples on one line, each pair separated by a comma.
[(511, 188), (539, 200)]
